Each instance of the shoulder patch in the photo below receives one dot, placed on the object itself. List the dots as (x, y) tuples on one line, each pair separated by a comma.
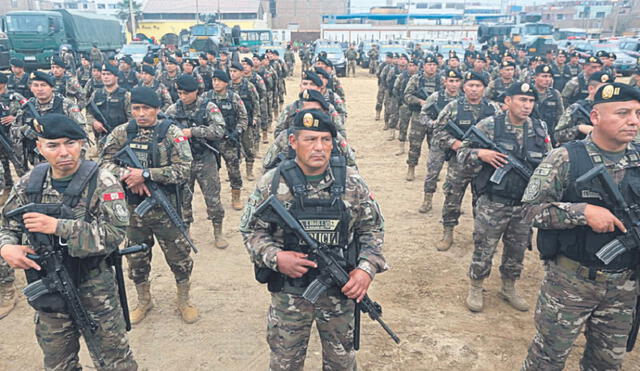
[(113, 196), (180, 139), (543, 169), (75, 109), (215, 109)]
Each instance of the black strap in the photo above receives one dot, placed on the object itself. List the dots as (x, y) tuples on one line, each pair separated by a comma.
[(36, 182)]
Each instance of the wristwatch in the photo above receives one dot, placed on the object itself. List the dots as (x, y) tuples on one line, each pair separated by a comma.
[(146, 174)]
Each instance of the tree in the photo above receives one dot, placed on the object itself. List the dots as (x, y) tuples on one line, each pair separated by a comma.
[(124, 13)]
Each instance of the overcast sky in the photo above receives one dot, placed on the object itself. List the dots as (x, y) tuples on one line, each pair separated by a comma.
[(363, 6)]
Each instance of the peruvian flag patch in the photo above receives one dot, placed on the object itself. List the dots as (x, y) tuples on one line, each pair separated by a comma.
[(113, 196), (180, 139), (215, 109)]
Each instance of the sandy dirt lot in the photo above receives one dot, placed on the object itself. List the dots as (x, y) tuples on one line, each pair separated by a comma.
[(422, 295)]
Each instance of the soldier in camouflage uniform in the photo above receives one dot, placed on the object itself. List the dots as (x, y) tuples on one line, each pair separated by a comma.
[(10, 109), (352, 56), (330, 95), (496, 88), (128, 78), (168, 163), (464, 112), (69, 59), (95, 82), (428, 115), (374, 55), (188, 68), (561, 71), (528, 73), (169, 76), (148, 79), (357, 217), (394, 100), (236, 122), (499, 213), (262, 69), (404, 113), (419, 89), (7, 276), (96, 56), (576, 88), (202, 122), (324, 63), (205, 71), (257, 81), (65, 84), (579, 292), (83, 73), (575, 122), (96, 231), (19, 79), (380, 72), (549, 106), (634, 80), (290, 60)]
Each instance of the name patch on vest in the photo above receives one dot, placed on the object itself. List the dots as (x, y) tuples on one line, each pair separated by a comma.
[(322, 230), (139, 146), (585, 193)]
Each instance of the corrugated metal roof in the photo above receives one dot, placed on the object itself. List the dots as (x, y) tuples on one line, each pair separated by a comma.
[(204, 6)]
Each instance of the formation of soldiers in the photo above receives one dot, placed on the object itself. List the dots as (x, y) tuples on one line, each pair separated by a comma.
[(520, 129)]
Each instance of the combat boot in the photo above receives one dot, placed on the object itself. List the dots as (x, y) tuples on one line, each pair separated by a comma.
[(7, 298), (426, 204), (377, 115), (188, 311), (235, 199), (474, 301), (447, 239), (265, 137), (411, 173), (218, 236), (386, 125), (392, 135), (401, 149), (145, 304), (509, 294), (250, 171)]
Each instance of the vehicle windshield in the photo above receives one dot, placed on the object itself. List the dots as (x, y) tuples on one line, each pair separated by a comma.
[(256, 35), (27, 23), (134, 49), (329, 50), (204, 30), (538, 29)]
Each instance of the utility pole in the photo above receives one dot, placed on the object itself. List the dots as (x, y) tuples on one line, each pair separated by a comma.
[(133, 19), (615, 17)]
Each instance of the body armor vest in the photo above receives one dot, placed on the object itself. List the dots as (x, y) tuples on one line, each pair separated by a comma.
[(561, 76), (582, 91), (425, 89), (245, 95), (465, 119), (84, 74), (394, 71), (20, 86), (499, 88), (228, 111), (112, 106), (192, 119), (582, 116), (546, 109), (581, 242), (61, 86), (128, 80)]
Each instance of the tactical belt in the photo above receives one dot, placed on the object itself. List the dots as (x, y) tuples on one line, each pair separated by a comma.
[(504, 200), (591, 273)]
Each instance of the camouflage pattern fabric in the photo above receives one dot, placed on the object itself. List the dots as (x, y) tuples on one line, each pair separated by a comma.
[(418, 133), (231, 155), (74, 90), (280, 146), (162, 92), (435, 162), (571, 89), (567, 128), (285, 120)]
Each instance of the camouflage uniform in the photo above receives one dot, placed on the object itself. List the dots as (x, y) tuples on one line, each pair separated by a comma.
[(576, 114), (258, 82), (9, 106), (419, 84), (173, 170), (373, 60), (496, 89), (19, 85), (290, 60), (206, 72), (381, 87), (207, 124), (570, 302), (250, 97), (337, 102), (128, 79), (549, 108), (351, 56), (289, 112), (83, 74), (170, 83), (392, 101), (575, 89), (69, 87), (69, 60), (199, 79), (336, 85), (91, 86), (95, 55), (162, 92), (404, 114), (57, 335), (290, 316), (457, 179), (112, 109), (267, 76), (635, 80)]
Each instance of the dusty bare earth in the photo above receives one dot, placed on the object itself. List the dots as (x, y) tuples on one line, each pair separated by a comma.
[(422, 295)]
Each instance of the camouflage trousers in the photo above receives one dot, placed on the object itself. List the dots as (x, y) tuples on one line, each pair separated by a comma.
[(265, 114), (205, 172), (289, 324), (351, 68), (435, 162), (6, 181), (569, 303), (373, 66), (7, 274), (493, 221), (290, 66), (392, 105), (380, 98), (248, 140), (59, 337), (229, 152), (174, 246), (305, 65), (404, 118), (270, 115), (417, 135), (454, 188)]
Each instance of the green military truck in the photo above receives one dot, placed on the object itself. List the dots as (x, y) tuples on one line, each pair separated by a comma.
[(35, 36)]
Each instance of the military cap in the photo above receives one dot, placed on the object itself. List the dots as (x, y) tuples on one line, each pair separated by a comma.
[(260, 57), (172, 60), (127, 59), (313, 77), (616, 92), (42, 76), (202, 55), (543, 68), (189, 61), (17, 62), (574, 55), (178, 53), (57, 61), (601, 76), (221, 75), (84, 56), (145, 95), (404, 56), (56, 126), (148, 69), (452, 74), (186, 83), (613, 56), (562, 52), (506, 54), (439, 55), (324, 60), (310, 95), (602, 53), (111, 58), (416, 61), (248, 61), (521, 88), (504, 64), (453, 56), (97, 66), (430, 59), (275, 51), (224, 51), (237, 65), (212, 52), (537, 58), (315, 120), (110, 68), (3, 78), (473, 75), (148, 59), (389, 55), (320, 71), (593, 59)]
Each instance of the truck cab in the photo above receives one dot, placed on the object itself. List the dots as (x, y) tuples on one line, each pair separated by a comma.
[(35, 36)]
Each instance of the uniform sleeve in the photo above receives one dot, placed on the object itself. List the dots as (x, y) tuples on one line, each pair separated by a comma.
[(180, 168), (90, 118), (114, 142), (215, 124), (10, 230), (74, 112), (74, 89), (566, 130), (282, 121), (441, 136), (243, 118), (411, 89), (569, 89), (255, 98), (467, 154)]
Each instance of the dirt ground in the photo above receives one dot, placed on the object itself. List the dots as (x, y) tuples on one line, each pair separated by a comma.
[(422, 294)]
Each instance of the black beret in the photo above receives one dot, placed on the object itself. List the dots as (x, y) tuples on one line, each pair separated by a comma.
[(473, 75), (521, 88), (321, 71), (127, 59), (324, 60), (149, 69), (389, 55), (248, 61), (616, 92), (224, 52), (613, 56), (221, 75), (439, 55), (430, 59), (562, 52), (311, 95), (416, 61), (189, 61), (84, 56), (97, 66), (537, 58), (602, 76), (148, 59), (17, 62), (187, 83), (178, 53), (258, 56), (315, 120), (202, 55), (452, 74), (602, 53), (111, 69), (111, 58), (237, 65), (57, 61), (593, 59), (404, 56), (453, 56), (146, 96), (42, 76), (313, 77), (212, 52), (507, 64), (543, 68), (172, 60), (275, 51), (3, 78), (56, 126)]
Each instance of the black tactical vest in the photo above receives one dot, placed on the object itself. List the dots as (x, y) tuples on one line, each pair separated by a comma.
[(530, 153), (245, 95), (112, 106), (465, 119), (582, 115), (20, 86), (499, 88), (191, 119), (546, 109), (84, 74), (582, 91), (61, 85), (56, 107), (228, 110), (393, 72), (425, 89), (561, 76), (127, 81), (581, 242)]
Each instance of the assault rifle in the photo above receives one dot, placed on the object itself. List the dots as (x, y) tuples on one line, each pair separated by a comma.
[(331, 272), (454, 130), (234, 138), (513, 163), (158, 197), (630, 216), (93, 108), (5, 144), (115, 259), (197, 140)]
